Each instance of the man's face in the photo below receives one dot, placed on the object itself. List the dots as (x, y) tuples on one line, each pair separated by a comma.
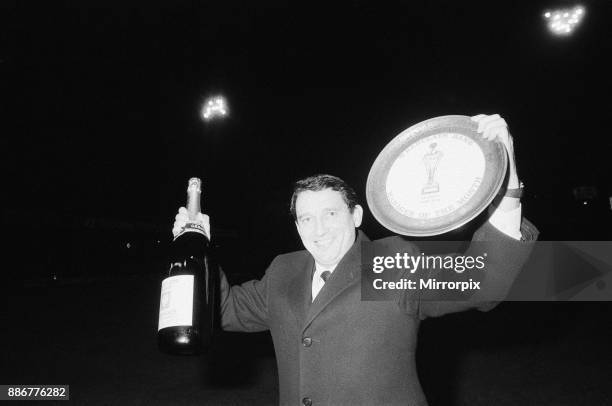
[(326, 225)]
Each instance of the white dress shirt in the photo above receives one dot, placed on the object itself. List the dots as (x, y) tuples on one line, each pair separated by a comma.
[(317, 281), (508, 222)]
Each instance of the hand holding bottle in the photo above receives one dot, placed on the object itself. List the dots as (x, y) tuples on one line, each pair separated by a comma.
[(182, 218)]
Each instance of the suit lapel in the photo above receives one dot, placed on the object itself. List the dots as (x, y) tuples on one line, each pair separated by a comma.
[(300, 291), (346, 273)]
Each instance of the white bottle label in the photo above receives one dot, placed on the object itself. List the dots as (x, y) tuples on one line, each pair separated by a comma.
[(176, 302)]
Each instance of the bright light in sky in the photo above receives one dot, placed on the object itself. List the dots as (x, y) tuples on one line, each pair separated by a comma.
[(214, 107), (564, 21)]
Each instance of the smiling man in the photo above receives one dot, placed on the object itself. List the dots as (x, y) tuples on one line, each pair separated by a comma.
[(327, 215), (331, 347)]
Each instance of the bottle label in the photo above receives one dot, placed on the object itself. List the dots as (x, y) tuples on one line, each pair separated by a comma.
[(176, 303)]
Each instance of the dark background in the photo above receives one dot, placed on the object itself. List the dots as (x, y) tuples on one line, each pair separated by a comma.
[(101, 129)]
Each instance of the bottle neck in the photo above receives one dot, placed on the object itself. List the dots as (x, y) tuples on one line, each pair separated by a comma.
[(193, 204), (194, 190), (194, 207)]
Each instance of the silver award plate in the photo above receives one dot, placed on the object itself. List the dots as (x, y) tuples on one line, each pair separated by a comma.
[(435, 176)]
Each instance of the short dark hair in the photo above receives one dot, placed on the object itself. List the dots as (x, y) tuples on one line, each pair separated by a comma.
[(321, 182)]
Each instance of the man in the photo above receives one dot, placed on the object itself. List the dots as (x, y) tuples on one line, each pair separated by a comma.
[(331, 347)]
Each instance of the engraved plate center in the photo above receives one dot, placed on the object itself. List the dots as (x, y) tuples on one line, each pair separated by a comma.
[(435, 176)]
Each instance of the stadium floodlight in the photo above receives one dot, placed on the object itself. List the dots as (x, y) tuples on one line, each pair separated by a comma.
[(215, 107), (564, 21)]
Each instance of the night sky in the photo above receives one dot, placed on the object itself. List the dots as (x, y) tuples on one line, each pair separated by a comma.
[(100, 130), (101, 102)]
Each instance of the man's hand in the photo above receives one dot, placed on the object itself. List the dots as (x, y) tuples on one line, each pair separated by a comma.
[(494, 127), (182, 218)]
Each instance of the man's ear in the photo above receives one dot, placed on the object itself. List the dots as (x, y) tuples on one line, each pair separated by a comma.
[(357, 215)]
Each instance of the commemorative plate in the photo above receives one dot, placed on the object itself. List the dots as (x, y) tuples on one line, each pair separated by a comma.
[(435, 176)]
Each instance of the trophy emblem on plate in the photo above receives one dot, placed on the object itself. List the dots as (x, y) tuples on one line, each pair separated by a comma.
[(431, 161), (435, 176)]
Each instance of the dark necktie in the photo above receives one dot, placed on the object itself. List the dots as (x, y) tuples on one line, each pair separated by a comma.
[(325, 275)]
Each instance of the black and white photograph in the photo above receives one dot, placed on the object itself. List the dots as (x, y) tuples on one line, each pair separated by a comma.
[(350, 202)]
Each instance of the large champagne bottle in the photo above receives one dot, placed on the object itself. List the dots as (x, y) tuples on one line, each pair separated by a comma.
[(188, 291)]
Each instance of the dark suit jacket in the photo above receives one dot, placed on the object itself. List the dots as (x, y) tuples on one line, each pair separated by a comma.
[(340, 350)]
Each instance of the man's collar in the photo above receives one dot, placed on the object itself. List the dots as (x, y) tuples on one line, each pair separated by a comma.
[(321, 268)]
